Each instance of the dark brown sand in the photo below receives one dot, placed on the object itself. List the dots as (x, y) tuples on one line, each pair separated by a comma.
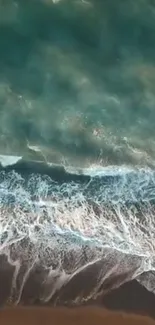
[(62, 316)]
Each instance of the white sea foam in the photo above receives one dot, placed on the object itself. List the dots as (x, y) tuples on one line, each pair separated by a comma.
[(6, 160), (98, 170), (114, 211), (102, 210)]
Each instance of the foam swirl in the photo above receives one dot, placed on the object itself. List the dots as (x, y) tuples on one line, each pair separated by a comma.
[(100, 227)]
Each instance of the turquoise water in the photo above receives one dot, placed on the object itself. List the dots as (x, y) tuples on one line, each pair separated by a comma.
[(77, 81)]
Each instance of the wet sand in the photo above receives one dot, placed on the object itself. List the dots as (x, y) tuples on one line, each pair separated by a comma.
[(131, 297), (61, 316)]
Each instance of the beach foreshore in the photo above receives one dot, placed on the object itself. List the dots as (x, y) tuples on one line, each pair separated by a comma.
[(61, 316)]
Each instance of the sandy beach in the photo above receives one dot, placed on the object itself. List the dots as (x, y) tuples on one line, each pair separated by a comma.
[(60, 316)]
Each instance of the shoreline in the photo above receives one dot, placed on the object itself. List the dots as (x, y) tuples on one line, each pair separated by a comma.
[(61, 316)]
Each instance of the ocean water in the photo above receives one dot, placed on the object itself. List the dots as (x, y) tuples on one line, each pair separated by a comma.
[(77, 81), (77, 148)]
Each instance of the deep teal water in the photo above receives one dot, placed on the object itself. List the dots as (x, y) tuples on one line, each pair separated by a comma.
[(77, 81)]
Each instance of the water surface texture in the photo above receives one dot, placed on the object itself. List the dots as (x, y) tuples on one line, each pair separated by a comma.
[(77, 81)]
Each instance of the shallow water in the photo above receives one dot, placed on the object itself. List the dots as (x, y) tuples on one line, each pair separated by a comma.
[(74, 237)]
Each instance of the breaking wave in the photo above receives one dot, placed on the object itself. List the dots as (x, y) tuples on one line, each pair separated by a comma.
[(72, 227)]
